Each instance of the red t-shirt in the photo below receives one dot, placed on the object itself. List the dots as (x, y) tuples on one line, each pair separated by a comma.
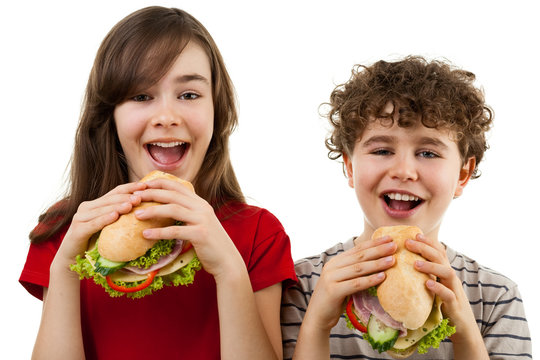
[(175, 322)]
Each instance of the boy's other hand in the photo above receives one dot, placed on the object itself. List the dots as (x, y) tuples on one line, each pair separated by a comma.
[(448, 287)]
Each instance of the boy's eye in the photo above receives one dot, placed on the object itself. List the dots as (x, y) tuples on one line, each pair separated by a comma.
[(428, 154), (140, 98), (381, 152), (189, 96)]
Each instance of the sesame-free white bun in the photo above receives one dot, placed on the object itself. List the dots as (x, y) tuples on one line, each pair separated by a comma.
[(123, 240), (403, 294)]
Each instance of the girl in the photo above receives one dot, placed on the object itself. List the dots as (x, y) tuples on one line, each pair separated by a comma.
[(159, 97)]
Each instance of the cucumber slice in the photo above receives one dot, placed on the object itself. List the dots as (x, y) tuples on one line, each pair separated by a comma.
[(106, 267), (380, 336)]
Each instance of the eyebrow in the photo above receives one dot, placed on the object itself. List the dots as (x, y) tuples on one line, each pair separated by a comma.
[(433, 141), (191, 77), (378, 139), (425, 140)]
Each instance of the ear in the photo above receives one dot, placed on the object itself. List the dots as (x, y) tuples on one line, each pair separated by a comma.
[(347, 167), (465, 175)]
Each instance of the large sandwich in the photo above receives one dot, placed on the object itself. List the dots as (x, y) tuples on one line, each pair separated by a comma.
[(400, 315), (121, 260)]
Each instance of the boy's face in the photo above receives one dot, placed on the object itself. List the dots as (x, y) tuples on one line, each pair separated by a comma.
[(406, 176)]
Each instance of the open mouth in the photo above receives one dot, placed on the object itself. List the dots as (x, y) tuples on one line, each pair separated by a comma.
[(167, 153), (401, 202)]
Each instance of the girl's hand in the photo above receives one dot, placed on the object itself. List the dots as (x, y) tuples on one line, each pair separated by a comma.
[(215, 249), (455, 303), (92, 216), (354, 270)]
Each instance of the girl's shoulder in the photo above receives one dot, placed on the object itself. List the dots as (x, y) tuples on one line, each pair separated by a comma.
[(239, 213)]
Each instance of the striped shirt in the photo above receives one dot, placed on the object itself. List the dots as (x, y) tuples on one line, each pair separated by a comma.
[(495, 301)]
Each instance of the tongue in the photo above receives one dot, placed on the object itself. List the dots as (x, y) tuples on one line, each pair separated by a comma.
[(166, 155), (400, 205)]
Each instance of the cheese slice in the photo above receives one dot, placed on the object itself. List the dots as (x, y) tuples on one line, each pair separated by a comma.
[(413, 336)]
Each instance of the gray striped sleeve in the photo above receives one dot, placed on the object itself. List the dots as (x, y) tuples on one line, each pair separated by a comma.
[(497, 306)]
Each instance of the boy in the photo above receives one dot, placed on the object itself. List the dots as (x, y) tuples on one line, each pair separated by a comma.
[(411, 134)]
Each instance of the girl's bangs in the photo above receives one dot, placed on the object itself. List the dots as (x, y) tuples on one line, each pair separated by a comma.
[(153, 62)]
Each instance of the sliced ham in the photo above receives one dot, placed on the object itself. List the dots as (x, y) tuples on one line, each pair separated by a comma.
[(366, 305), (164, 261)]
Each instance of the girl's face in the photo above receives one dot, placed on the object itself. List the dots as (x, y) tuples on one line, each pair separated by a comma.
[(169, 126), (406, 176)]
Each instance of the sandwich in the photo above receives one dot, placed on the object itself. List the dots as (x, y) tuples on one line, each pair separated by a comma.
[(400, 315), (121, 260)]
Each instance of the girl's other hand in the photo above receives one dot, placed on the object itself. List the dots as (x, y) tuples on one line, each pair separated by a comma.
[(201, 227), (354, 270)]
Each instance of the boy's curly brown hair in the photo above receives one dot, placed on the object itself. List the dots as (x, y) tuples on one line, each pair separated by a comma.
[(434, 92)]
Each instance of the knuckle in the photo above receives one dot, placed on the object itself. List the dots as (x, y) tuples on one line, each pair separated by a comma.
[(359, 284), (358, 268), (82, 206)]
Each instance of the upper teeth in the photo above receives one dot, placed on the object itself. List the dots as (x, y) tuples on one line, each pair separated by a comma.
[(402, 197), (168, 144)]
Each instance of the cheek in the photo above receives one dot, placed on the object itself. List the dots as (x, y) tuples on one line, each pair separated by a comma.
[(128, 127), (443, 182), (203, 127)]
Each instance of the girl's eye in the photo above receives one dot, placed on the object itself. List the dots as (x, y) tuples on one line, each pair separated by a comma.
[(428, 154), (189, 96), (140, 98)]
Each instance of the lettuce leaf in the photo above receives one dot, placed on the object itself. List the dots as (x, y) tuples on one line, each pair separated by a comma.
[(349, 323), (186, 274), (152, 256), (434, 338), (183, 276)]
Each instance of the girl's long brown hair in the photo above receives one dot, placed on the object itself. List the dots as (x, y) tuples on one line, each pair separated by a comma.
[(137, 52)]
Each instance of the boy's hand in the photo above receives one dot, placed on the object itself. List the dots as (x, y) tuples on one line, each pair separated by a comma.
[(455, 303), (354, 270)]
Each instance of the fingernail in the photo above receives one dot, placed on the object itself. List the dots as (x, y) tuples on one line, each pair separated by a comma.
[(134, 198), (138, 192), (139, 212), (388, 259), (147, 233), (430, 284), (380, 275), (420, 263)]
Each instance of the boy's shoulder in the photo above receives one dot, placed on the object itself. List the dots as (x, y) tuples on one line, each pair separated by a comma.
[(311, 263), (308, 269), (477, 276)]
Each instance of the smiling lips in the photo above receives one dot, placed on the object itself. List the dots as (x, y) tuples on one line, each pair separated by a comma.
[(400, 205), (167, 153)]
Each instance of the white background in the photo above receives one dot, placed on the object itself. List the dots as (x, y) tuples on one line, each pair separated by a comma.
[(284, 57)]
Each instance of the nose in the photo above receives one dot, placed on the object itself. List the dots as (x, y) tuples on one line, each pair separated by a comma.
[(165, 115), (403, 169)]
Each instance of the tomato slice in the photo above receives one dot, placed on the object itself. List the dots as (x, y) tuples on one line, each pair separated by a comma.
[(186, 247), (352, 316), (150, 277)]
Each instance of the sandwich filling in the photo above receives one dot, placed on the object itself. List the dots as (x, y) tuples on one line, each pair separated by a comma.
[(430, 334)]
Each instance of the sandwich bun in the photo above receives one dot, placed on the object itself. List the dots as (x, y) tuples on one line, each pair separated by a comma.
[(403, 294), (122, 240)]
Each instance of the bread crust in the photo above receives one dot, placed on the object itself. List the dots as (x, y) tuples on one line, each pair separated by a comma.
[(403, 294), (404, 354), (123, 240)]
